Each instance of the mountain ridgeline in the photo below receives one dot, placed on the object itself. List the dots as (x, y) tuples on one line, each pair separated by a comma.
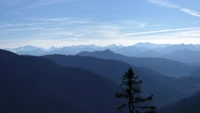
[(37, 85), (161, 65), (87, 82), (154, 82), (187, 53), (187, 105)]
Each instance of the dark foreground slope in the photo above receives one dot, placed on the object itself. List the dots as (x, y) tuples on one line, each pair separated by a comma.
[(161, 65), (187, 105), (37, 85), (166, 89)]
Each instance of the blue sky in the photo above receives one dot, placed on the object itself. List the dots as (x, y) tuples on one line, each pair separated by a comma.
[(46, 23)]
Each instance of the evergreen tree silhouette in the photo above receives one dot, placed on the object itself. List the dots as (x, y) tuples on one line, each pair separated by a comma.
[(131, 88)]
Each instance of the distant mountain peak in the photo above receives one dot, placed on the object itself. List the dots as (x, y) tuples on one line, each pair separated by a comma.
[(29, 47), (26, 48), (108, 51)]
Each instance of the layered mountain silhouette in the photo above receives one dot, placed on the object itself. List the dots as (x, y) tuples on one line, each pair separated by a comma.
[(37, 85), (196, 73), (161, 65), (166, 89), (187, 53), (184, 55), (187, 105), (86, 82)]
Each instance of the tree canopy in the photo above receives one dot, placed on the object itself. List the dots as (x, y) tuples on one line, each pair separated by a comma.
[(131, 89)]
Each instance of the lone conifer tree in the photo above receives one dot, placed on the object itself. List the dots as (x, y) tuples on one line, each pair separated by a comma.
[(131, 89)]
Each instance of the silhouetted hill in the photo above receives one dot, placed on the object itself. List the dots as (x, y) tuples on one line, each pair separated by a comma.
[(37, 85), (161, 65), (187, 105), (196, 73), (185, 55), (166, 89)]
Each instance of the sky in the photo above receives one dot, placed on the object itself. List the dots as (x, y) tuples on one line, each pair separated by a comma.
[(58, 23)]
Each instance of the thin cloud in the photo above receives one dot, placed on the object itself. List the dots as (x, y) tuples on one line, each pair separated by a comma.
[(117, 32), (20, 29), (186, 37), (191, 12), (61, 38), (160, 31), (53, 21), (142, 25), (50, 19), (59, 34), (20, 24), (56, 19), (39, 3), (170, 5), (163, 3)]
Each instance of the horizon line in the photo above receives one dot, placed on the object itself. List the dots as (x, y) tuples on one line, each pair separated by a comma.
[(99, 45)]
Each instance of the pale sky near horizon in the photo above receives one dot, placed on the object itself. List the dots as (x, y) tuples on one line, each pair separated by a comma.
[(46, 23)]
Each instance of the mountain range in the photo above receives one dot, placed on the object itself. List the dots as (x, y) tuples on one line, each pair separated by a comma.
[(37, 85), (187, 53), (161, 65), (86, 81), (160, 85)]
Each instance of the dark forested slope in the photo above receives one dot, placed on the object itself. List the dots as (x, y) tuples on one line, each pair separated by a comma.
[(187, 105), (37, 85), (161, 65), (166, 89)]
